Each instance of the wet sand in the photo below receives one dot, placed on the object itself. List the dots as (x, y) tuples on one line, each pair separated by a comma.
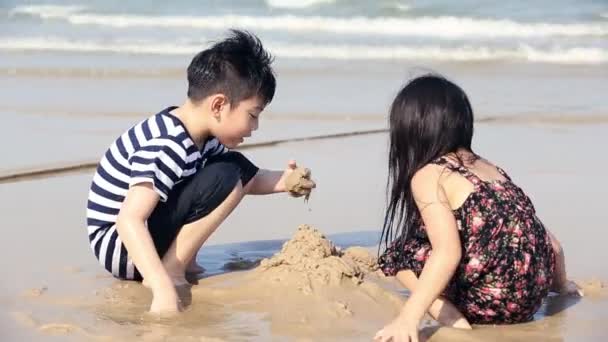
[(53, 288)]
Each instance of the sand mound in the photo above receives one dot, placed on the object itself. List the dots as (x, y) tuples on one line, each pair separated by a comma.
[(310, 288), (309, 259)]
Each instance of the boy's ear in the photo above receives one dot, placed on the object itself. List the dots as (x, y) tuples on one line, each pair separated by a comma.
[(218, 102)]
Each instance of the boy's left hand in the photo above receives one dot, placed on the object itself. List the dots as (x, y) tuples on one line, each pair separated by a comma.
[(297, 181)]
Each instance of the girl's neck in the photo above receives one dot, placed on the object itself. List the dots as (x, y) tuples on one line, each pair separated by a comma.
[(464, 156)]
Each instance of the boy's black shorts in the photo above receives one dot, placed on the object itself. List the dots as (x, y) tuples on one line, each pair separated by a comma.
[(197, 196)]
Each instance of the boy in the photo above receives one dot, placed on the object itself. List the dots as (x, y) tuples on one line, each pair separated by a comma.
[(166, 184)]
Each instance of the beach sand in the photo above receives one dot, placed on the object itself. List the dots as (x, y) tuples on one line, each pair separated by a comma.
[(52, 288)]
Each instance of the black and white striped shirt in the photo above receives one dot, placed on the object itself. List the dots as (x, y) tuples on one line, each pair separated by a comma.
[(157, 150)]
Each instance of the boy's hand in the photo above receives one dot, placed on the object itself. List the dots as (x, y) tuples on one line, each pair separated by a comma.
[(297, 180), (165, 302)]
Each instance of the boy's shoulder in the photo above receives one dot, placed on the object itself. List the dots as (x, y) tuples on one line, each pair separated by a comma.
[(160, 133), (164, 128)]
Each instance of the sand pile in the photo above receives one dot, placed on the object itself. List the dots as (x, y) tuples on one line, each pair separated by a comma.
[(310, 260), (310, 288)]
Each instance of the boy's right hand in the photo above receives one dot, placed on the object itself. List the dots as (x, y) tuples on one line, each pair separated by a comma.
[(298, 180), (165, 302)]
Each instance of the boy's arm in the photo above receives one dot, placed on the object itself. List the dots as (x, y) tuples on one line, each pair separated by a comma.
[(273, 181), (267, 182), (140, 201)]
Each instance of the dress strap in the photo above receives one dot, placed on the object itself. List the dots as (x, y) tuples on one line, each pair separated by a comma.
[(502, 172), (460, 169)]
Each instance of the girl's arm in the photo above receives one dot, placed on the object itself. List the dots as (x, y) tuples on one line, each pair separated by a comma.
[(561, 284), (442, 231), (138, 205)]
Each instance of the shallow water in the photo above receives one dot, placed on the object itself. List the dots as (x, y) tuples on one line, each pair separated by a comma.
[(214, 258)]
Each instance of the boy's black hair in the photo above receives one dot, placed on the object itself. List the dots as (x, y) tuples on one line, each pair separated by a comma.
[(238, 67)]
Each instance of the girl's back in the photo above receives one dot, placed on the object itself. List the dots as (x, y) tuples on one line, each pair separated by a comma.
[(507, 260)]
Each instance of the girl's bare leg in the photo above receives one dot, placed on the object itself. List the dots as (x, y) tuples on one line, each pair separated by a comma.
[(441, 310)]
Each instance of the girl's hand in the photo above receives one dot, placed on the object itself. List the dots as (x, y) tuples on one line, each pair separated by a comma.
[(401, 329), (296, 180), (570, 288)]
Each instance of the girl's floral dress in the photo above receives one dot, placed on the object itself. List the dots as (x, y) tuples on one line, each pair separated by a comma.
[(507, 260)]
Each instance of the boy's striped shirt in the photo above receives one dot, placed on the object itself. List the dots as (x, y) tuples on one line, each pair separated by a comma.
[(157, 150)]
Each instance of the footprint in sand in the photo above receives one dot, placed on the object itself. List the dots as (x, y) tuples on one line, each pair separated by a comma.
[(35, 292)]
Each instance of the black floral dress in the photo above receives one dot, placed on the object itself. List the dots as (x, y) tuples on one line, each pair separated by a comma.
[(507, 261)]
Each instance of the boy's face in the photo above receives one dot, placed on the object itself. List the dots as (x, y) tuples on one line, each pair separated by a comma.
[(237, 123)]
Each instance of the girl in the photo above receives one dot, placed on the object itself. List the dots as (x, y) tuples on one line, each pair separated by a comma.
[(469, 245)]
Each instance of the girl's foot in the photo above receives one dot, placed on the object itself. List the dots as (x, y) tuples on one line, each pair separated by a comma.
[(570, 288)]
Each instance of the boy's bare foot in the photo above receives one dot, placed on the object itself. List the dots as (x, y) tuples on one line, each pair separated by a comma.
[(195, 268), (177, 281)]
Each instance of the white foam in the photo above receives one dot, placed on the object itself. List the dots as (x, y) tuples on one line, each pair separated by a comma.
[(578, 55), (297, 4), (403, 7), (437, 27), (60, 44), (48, 11)]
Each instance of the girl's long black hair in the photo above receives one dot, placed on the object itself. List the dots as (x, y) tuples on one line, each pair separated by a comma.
[(429, 118)]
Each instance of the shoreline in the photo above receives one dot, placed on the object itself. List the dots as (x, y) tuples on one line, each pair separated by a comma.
[(41, 172), (51, 170)]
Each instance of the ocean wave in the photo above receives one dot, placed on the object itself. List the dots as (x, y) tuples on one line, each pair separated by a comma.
[(48, 11), (576, 55), (297, 4), (444, 27), (402, 7)]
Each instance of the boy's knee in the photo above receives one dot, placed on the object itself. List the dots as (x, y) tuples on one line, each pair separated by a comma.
[(233, 160), (217, 180)]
